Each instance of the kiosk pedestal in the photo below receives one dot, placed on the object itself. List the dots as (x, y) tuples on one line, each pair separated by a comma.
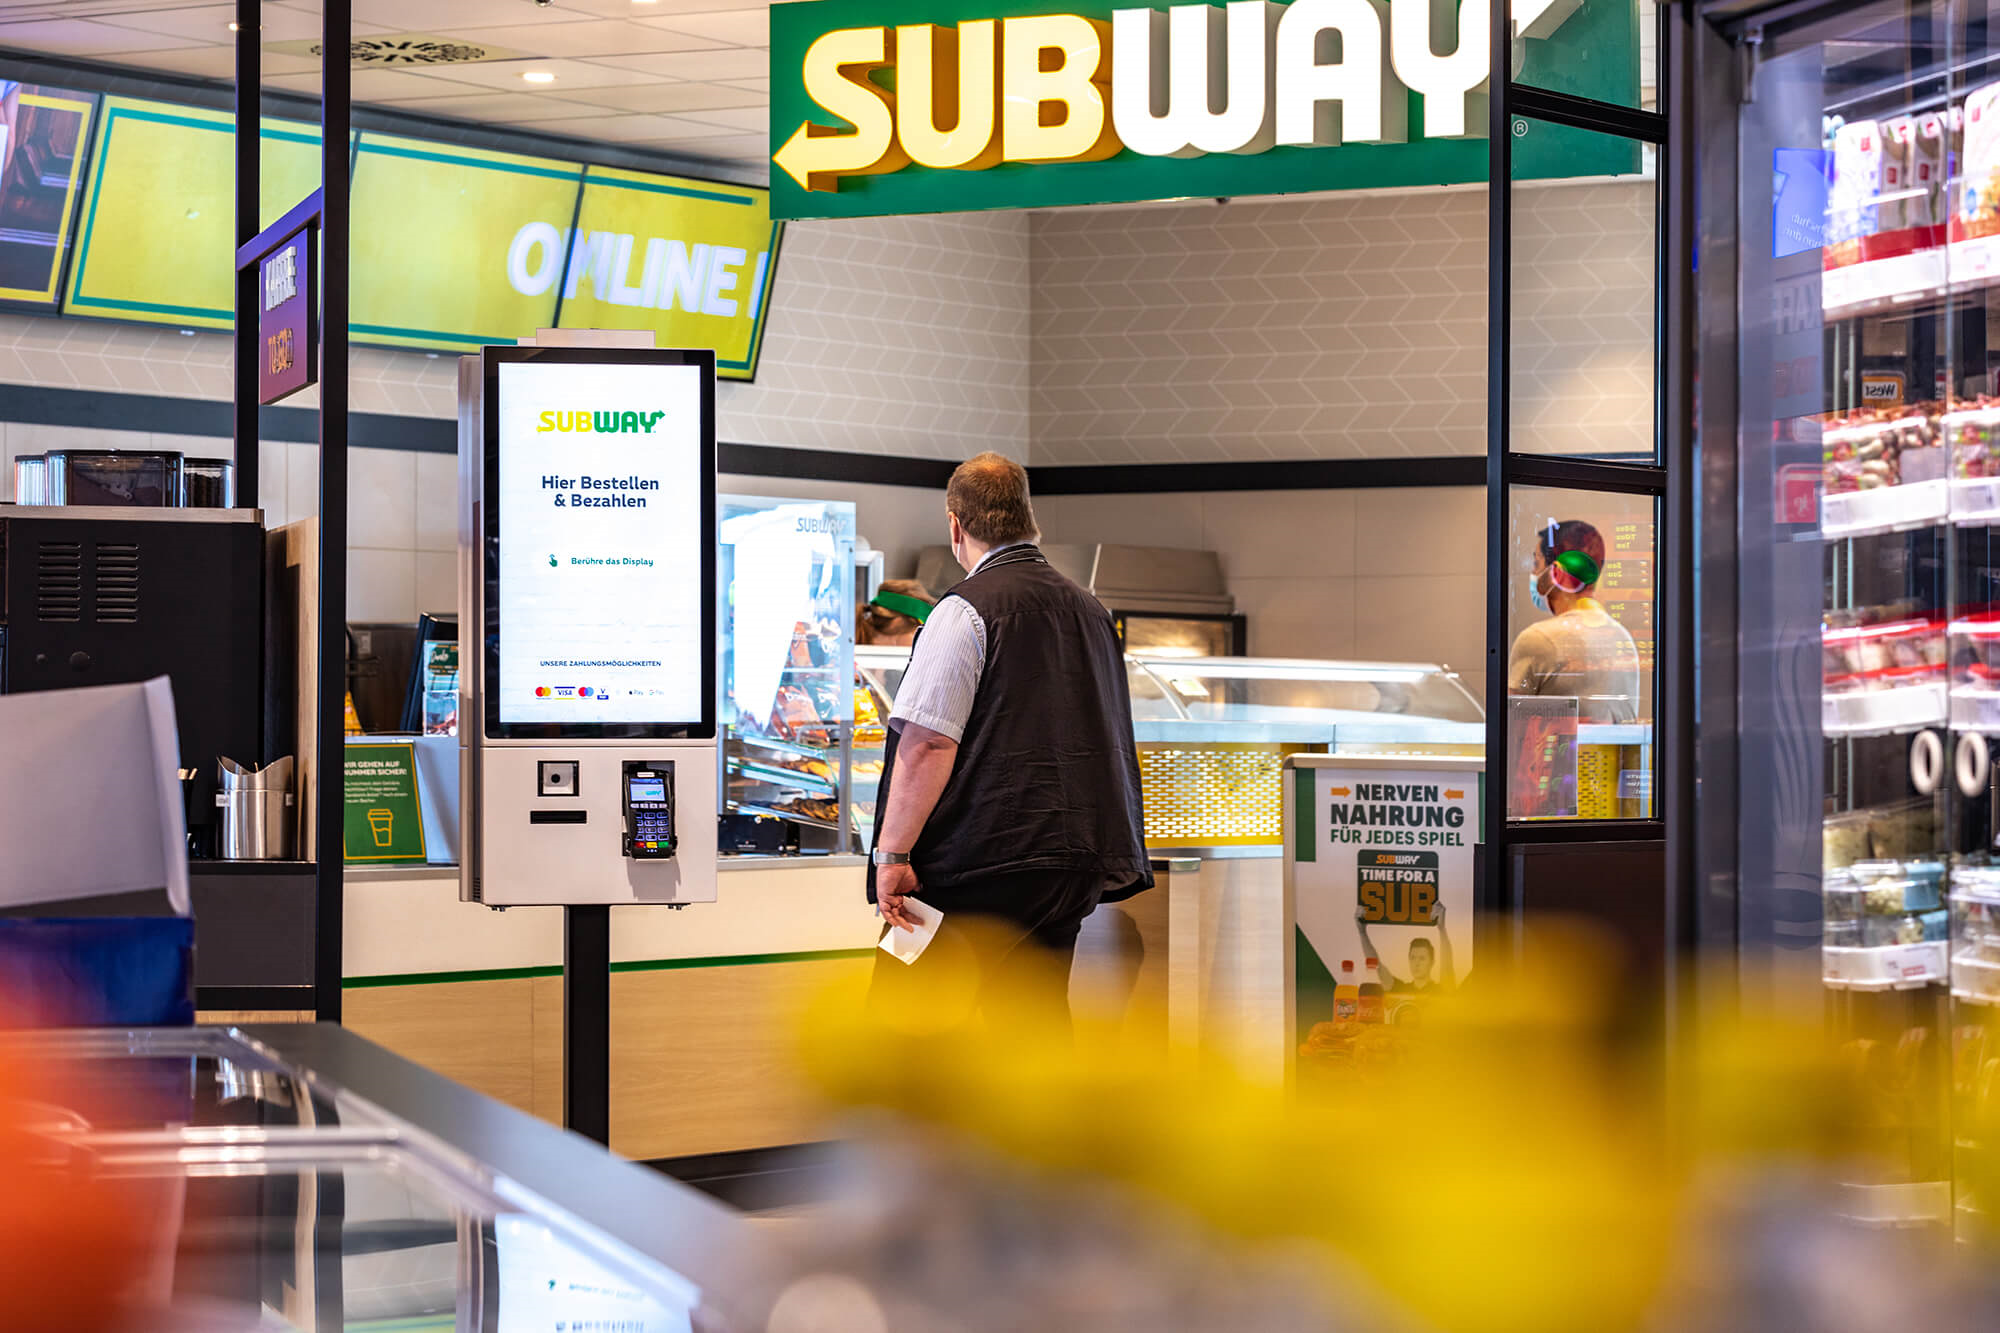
[(587, 707)]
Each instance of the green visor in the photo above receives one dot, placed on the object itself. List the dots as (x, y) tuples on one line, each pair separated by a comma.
[(916, 608)]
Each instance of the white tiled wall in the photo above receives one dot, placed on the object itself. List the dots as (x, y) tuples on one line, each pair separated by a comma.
[(1339, 326), (904, 336), (1385, 575)]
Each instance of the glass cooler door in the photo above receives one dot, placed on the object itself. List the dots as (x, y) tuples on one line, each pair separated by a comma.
[(786, 570), (1867, 233)]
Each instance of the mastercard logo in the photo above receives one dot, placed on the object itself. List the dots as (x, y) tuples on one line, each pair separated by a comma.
[(541, 691)]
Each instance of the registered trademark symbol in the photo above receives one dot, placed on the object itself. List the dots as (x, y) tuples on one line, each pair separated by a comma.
[(1520, 128)]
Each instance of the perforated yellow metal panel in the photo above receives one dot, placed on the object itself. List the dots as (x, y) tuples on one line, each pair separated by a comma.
[(1597, 781), (1214, 794)]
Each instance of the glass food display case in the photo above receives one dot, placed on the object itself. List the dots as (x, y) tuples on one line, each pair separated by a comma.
[(786, 573), (299, 1177), (1213, 732)]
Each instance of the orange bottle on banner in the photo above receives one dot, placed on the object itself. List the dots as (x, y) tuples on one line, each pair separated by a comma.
[(1369, 1002), (1346, 995)]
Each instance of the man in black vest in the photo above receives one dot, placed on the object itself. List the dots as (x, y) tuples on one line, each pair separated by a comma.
[(1009, 797)]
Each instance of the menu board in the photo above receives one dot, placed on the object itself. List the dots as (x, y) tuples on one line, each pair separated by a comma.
[(601, 551), (157, 237), (453, 247), (1626, 588), (42, 136), (438, 274), (688, 259)]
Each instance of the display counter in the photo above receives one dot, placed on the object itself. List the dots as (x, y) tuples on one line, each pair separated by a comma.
[(704, 1001), (300, 1177)]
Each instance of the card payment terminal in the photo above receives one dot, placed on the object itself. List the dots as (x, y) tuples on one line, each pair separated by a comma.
[(649, 810)]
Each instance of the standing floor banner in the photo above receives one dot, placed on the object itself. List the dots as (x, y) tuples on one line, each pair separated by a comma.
[(1379, 855)]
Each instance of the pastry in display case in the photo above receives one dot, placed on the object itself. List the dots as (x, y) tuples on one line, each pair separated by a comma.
[(786, 570)]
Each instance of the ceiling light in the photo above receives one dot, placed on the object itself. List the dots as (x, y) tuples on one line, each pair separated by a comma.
[(538, 76), (236, 27)]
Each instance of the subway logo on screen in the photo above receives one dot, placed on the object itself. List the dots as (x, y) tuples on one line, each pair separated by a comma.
[(1179, 82), (601, 423)]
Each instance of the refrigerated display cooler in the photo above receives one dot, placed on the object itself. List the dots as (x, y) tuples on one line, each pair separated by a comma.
[(300, 1177), (1213, 733), (786, 575)]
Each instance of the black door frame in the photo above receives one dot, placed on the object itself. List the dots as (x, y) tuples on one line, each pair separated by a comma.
[(1667, 478)]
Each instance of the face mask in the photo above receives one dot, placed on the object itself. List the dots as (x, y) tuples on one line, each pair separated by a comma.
[(1535, 593)]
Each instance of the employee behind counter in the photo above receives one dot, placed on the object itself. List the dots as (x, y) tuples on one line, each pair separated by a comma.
[(1579, 652)]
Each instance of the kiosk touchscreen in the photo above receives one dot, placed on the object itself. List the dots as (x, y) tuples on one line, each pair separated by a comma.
[(587, 706)]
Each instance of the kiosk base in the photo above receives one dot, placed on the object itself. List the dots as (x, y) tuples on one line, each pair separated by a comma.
[(587, 1021)]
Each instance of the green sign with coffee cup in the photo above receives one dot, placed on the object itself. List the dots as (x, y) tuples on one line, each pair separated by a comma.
[(383, 821)]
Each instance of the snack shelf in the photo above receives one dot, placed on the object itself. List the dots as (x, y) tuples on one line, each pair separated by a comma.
[(1875, 285), (784, 777), (1884, 967), (750, 808), (1915, 504), (784, 746), (1975, 501), (1884, 712), (1892, 282)]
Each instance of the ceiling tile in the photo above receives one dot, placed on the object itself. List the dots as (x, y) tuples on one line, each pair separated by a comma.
[(695, 66), (762, 85), (741, 119), (210, 23), (588, 37), (646, 129), (382, 85), (219, 62), (505, 75), (511, 107), (442, 16), (669, 97), (637, 9), (735, 147), (79, 37), (738, 27)]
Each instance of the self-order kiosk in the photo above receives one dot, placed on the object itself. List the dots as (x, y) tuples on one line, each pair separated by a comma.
[(587, 694)]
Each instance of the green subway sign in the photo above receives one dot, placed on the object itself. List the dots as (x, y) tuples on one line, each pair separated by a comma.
[(955, 105)]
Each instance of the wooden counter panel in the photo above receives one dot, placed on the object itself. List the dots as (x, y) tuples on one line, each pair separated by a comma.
[(702, 1057), (479, 1033)]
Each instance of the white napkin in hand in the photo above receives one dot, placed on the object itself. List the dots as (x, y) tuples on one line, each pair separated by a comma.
[(907, 945)]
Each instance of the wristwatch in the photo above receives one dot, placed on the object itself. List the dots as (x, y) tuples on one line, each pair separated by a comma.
[(882, 858)]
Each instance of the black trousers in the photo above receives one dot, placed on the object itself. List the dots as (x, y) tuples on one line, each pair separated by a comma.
[(1002, 954)]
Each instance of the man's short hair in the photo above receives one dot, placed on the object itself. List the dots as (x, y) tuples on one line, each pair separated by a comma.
[(1425, 941), (989, 494)]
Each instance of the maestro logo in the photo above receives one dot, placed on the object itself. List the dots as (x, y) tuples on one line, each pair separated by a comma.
[(598, 423), (1189, 80)]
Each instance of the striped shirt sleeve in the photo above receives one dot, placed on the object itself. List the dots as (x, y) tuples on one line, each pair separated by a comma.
[(944, 672)]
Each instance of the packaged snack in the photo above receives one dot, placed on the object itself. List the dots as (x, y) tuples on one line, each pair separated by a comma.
[(1842, 934), (1844, 896), (1857, 181), (1844, 838), (1899, 136), (1927, 161), (1903, 831), (1978, 210)]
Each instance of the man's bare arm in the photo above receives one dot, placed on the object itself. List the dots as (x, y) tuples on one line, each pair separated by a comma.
[(924, 761)]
